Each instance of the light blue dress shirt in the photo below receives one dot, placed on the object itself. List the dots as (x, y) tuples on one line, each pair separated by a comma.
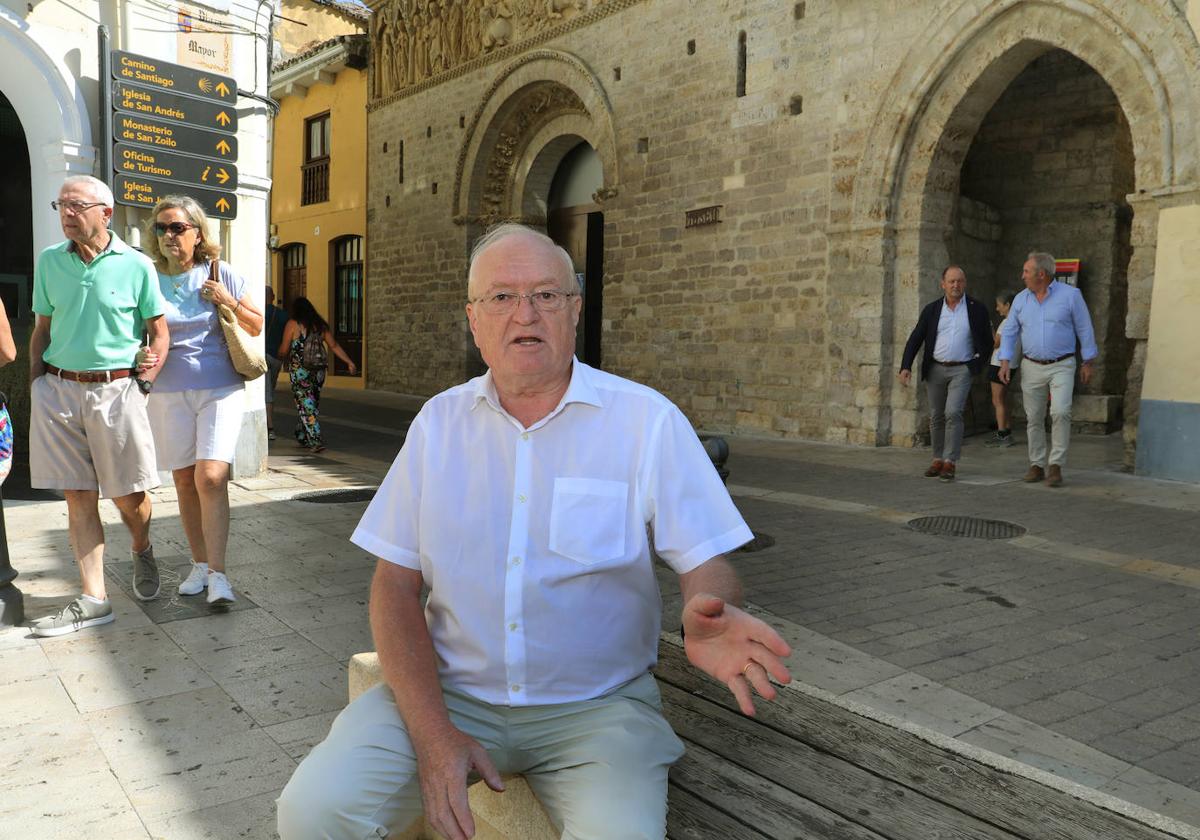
[(1048, 329)]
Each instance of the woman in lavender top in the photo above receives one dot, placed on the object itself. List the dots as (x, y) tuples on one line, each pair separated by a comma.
[(198, 400)]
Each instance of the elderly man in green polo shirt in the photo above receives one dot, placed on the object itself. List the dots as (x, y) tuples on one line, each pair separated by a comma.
[(89, 434)]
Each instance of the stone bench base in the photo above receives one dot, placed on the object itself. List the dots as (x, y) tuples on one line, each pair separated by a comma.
[(515, 814)]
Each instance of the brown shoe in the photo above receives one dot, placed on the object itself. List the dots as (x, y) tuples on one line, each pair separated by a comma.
[(947, 471), (1054, 476), (1035, 473), (935, 469)]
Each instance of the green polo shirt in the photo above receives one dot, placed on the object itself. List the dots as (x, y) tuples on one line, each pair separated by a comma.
[(96, 309)]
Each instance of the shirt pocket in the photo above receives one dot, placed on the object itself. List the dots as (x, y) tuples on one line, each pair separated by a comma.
[(587, 519)]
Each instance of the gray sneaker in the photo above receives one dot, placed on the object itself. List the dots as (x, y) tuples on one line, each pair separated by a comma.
[(145, 575), (76, 615), (996, 440)]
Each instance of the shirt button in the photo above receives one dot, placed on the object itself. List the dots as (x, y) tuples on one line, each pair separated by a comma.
[(521, 498), (515, 687), (525, 436), (512, 626), (516, 561)]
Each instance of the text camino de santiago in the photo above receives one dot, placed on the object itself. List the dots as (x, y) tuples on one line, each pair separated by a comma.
[(142, 72)]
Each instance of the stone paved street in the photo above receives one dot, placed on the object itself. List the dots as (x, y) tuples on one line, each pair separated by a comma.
[(1071, 648)]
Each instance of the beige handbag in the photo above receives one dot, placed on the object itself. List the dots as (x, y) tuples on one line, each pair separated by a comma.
[(247, 361)]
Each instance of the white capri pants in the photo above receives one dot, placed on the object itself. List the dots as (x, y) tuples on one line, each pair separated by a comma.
[(599, 766), (193, 425)]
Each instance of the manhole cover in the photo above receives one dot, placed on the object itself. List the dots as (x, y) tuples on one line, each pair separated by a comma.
[(759, 542), (966, 526), (336, 497)]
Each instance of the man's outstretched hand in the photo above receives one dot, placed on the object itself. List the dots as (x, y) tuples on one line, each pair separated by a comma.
[(734, 647)]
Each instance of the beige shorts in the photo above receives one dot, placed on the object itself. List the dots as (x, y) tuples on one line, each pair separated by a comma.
[(193, 425), (90, 436)]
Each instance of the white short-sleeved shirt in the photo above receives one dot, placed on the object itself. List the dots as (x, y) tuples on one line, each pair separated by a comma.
[(534, 542)]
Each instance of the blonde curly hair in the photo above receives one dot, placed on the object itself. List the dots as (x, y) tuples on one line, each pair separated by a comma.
[(205, 251)]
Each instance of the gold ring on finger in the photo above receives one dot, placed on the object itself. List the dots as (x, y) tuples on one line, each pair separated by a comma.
[(747, 668)]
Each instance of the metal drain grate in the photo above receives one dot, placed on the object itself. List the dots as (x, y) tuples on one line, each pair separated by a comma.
[(759, 542), (966, 526), (336, 497)]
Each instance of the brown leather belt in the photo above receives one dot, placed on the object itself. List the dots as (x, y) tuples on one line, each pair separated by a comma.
[(951, 364), (1046, 361), (88, 375)]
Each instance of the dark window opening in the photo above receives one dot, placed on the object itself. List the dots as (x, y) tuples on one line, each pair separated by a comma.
[(741, 64), (348, 301)]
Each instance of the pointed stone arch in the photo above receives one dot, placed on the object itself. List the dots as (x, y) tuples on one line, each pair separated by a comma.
[(895, 204), (537, 109)]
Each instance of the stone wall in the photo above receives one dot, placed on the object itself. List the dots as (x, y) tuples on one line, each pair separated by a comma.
[(836, 175)]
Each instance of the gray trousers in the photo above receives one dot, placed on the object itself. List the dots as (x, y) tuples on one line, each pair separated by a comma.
[(947, 388)]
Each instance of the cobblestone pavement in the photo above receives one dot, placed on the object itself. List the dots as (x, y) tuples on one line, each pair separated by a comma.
[(1071, 648)]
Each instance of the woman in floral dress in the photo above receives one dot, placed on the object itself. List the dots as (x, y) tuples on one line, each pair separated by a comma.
[(308, 375)]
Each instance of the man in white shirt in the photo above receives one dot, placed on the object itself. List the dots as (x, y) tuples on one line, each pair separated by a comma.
[(525, 501)]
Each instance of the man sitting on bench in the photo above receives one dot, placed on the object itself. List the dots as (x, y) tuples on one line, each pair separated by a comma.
[(525, 500)]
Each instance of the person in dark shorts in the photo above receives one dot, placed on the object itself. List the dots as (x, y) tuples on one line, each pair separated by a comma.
[(1002, 437)]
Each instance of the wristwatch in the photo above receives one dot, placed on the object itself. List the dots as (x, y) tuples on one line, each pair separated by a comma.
[(145, 385)]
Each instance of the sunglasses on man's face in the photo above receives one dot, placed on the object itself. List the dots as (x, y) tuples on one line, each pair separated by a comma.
[(173, 228)]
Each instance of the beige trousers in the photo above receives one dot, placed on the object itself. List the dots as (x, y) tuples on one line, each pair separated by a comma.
[(1055, 382), (598, 766)]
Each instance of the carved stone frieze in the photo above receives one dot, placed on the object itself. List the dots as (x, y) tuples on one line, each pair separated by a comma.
[(415, 41)]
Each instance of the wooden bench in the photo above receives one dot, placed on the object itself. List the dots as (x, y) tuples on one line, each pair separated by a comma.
[(809, 766)]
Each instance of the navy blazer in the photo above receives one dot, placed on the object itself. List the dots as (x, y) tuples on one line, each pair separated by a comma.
[(925, 332)]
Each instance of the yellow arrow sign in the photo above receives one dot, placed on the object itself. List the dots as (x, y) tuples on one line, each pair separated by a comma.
[(222, 89), (222, 205), (223, 148), (222, 175), (223, 118)]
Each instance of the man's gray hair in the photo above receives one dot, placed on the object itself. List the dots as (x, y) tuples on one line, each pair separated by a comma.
[(1042, 262), (96, 187), (503, 231)]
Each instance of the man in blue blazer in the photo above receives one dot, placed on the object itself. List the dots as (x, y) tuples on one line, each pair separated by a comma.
[(957, 336)]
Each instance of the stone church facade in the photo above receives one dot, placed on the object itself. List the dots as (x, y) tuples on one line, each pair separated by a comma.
[(777, 186)]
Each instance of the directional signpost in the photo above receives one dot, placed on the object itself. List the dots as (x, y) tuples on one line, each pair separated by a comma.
[(174, 130)]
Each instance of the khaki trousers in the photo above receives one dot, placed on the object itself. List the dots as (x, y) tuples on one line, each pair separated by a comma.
[(1055, 382), (598, 766)]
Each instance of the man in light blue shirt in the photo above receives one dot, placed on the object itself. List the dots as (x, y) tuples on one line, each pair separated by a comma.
[(1049, 317)]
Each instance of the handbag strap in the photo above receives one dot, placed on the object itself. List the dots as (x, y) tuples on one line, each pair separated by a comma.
[(213, 274)]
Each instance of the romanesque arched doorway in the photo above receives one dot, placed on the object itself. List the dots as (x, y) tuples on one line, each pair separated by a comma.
[(541, 150), (1049, 170), (903, 214)]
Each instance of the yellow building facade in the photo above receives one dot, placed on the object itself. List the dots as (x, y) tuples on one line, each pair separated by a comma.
[(318, 194)]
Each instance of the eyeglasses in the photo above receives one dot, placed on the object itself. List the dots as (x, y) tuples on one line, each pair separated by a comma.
[(543, 300), (75, 207), (173, 228)]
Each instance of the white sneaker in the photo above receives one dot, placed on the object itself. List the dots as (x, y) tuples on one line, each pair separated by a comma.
[(220, 593), (197, 580)]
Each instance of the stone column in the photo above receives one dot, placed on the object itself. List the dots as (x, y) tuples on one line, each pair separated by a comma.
[(1169, 414)]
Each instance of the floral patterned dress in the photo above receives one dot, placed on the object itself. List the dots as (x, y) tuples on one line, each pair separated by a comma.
[(6, 441), (306, 389)]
